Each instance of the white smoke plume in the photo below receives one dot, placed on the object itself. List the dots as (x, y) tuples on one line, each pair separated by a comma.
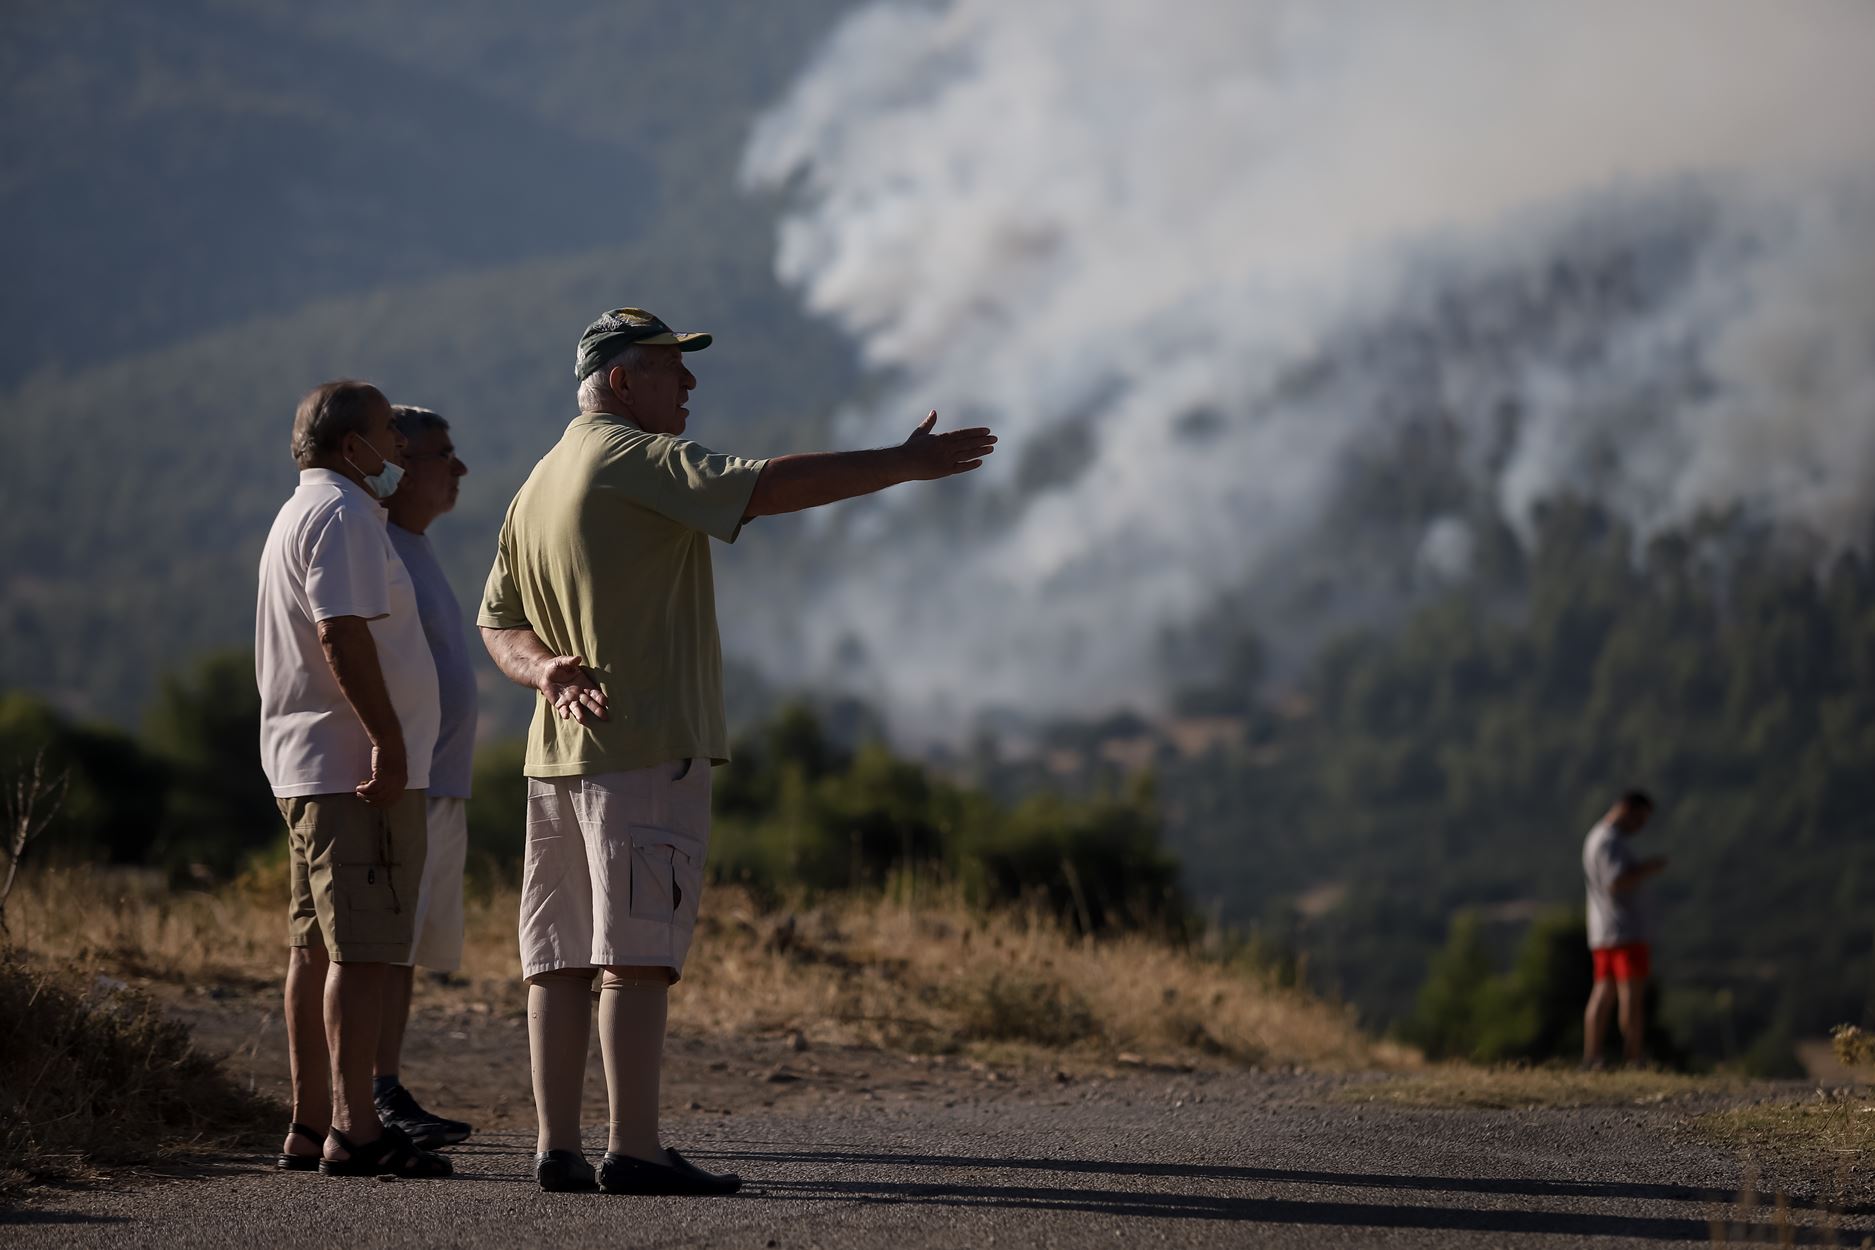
[(1157, 247)]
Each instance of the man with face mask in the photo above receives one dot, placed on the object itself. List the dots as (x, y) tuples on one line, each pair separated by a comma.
[(432, 479), (348, 724), (602, 600)]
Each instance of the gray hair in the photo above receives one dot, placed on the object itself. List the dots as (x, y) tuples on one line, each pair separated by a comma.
[(593, 388), (327, 414), (412, 421)]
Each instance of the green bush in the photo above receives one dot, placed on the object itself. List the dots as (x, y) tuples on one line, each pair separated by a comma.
[(118, 793), (497, 809), (1469, 1009), (203, 731), (795, 810)]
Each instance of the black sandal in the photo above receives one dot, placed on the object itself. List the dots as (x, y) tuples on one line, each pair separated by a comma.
[(301, 1163), (392, 1154)]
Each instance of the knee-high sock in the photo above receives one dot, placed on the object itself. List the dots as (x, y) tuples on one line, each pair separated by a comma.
[(632, 1012), (559, 1029)]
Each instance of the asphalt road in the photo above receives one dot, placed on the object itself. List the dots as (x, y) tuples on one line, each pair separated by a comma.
[(1160, 1160)]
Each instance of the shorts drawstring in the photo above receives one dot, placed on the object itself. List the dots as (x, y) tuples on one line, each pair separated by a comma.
[(384, 859)]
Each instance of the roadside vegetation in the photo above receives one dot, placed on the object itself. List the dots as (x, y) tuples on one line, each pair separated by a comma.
[(92, 1075), (1516, 1087), (1832, 1130), (914, 966)]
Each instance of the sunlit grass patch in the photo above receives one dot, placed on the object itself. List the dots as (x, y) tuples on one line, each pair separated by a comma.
[(1833, 1131), (918, 969), (1460, 1085)]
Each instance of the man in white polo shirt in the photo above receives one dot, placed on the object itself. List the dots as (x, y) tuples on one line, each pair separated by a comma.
[(348, 722)]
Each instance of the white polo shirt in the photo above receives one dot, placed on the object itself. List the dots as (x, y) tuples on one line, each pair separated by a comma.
[(328, 555)]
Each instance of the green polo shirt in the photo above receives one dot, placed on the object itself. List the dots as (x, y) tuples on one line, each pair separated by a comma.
[(605, 553)]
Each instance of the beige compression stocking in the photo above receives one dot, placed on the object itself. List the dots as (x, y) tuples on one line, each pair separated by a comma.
[(632, 1011), (559, 1029)]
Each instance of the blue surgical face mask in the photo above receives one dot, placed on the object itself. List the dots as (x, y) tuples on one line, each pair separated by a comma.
[(383, 483)]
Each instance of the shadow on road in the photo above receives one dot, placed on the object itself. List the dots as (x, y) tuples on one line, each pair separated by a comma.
[(1736, 1224)]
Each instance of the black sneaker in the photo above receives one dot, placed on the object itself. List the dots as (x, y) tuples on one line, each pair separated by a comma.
[(622, 1174), (397, 1109), (563, 1171)]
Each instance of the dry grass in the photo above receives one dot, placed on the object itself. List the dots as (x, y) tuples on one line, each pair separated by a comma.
[(1457, 1085), (92, 1074), (923, 973), (1833, 1132), (1853, 1047)]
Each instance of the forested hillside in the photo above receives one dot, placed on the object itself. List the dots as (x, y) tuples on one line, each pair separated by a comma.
[(1456, 762), (211, 207), (1355, 729)]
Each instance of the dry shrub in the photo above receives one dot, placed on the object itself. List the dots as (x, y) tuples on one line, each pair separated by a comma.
[(1017, 1007), (1855, 1048), (928, 972), (99, 1077)]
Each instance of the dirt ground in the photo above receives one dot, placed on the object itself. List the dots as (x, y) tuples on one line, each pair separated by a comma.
[(466, 1057)]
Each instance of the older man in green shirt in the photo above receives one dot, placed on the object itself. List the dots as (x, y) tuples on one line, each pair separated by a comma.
[(602, 600)]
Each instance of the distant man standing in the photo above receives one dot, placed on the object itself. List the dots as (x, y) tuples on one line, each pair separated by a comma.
[(432, 479), (602, 599), (1619, 927), (347, 725)]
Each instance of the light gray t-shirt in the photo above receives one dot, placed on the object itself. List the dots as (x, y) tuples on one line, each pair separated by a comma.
[(447, 630), (1614, 919)]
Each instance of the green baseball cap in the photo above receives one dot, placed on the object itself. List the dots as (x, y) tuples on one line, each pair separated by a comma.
[(618, 329)]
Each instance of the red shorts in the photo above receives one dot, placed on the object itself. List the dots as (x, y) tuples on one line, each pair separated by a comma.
[(1621, 963)]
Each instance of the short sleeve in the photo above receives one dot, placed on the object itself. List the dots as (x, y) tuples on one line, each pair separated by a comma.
[(688, 483), (348, 568), (501, 595)]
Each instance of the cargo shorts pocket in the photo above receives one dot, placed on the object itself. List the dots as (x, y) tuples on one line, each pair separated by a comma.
[(667, 874), (366, 888)]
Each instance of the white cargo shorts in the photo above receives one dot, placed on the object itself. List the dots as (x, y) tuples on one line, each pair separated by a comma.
[(614, 868), (439, 918)]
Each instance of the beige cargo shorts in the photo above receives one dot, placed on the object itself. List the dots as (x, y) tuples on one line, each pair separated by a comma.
[(356, 871), (614, 868)]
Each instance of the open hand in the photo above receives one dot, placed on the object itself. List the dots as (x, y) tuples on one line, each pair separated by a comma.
[(570, 690), (929, 456)]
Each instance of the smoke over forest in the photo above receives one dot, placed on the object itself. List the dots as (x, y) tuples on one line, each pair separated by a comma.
[(1212, 270)]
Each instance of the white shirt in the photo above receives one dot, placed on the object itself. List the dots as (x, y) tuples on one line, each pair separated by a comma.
[(1616, 918), (329, 555)]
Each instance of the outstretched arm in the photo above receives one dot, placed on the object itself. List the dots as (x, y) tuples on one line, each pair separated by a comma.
[(794, 483), (562, 679)]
